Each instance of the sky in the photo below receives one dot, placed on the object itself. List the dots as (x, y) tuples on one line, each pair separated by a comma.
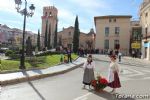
[(67, 11)]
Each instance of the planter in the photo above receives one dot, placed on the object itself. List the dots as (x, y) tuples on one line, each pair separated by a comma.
[(98, 90), (99, 84)]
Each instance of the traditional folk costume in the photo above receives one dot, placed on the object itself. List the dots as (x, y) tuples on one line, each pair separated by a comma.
[(113, 78), (88, 72)]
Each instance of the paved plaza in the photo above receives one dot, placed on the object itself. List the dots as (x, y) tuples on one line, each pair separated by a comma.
[(68, 86)]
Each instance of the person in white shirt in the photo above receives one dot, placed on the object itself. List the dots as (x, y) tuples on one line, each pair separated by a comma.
[(119, 55), (89, 67), (113, 74)]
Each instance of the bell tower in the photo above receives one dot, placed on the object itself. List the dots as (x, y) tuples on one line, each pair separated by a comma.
[(50, 17)]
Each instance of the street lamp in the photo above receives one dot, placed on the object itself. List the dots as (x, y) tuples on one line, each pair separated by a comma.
[(25, 13)]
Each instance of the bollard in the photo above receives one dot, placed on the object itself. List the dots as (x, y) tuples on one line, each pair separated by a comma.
[(65, 59), (61, 58), (0, 65)]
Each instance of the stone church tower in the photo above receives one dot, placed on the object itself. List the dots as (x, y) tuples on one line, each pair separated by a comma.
[(50, 16)]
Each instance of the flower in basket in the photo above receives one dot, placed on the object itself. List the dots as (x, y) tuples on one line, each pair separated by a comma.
[(100, 83), (94, 83), (103, 81)]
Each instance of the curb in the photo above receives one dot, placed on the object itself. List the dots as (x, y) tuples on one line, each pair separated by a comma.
[(30, 78)]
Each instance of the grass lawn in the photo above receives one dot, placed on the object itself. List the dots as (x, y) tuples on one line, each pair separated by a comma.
[(33, 62)]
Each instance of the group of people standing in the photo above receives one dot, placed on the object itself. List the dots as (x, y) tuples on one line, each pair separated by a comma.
[(66, 55), (113, 73), (83, 52)]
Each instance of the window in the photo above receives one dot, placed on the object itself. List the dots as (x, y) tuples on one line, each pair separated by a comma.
[(106, 31), (115, 20), (50, 14), (117, 30), (69, 33), (146, 14), (116, 44), (109, 19), (106, 44), (45, 13), (146, 30), (135, 35)]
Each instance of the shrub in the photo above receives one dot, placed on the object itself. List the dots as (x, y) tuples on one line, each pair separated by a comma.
[(9, 52), (48, 53), (12, 54)]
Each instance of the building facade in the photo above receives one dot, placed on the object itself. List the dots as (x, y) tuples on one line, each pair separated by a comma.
[(113, 33), (50, 17), (5, 34), (12, 37), (144, 13), (86, 40), (136, 38)]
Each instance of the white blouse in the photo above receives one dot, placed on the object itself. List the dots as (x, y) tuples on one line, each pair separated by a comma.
[(112, 68), (89, 66)]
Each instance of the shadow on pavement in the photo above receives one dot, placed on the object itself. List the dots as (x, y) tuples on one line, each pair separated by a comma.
[(75, 63), (34, 88), (39, 94), (37, 71), (108, 96)]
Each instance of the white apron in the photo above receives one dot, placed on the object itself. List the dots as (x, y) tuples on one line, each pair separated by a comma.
[(113, 67)]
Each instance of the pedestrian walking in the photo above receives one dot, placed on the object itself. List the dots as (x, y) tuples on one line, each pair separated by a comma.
[(88, 76), (113, 74), (82, 52), (69, 55), (133, 53), (119, 55)]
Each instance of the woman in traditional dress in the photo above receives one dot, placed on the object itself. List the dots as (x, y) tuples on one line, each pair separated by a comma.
[(88, 76), (113, 75)]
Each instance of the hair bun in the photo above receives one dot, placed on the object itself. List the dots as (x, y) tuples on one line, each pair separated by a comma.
[(90, 56), (113, 56)]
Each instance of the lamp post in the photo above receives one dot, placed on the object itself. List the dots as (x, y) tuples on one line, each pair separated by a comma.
[(25, 13)]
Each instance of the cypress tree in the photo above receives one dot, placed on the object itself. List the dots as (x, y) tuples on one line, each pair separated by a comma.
[(45, 41), (60, 42), (55, 37), (76, 36), (38, 41), (49, 37)]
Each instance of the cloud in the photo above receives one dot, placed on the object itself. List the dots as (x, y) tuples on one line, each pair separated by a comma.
[(40, 3), (67, 11), (91, 4), (65, 14), (65, 18), (85, 30), (8, 6)]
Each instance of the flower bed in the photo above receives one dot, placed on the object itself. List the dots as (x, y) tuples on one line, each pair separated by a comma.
[(99, 84)]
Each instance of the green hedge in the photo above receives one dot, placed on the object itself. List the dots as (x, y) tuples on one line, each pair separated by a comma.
[(9, 52), (12, 54), (48, 53)]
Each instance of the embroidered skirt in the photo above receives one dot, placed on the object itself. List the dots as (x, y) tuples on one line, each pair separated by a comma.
[(116, 82), (88, 76)]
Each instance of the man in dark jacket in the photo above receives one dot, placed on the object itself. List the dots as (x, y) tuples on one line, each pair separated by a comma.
[(69, 55)]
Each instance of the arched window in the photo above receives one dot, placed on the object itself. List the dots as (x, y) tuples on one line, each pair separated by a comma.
[(50, 14), (45, 13)]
